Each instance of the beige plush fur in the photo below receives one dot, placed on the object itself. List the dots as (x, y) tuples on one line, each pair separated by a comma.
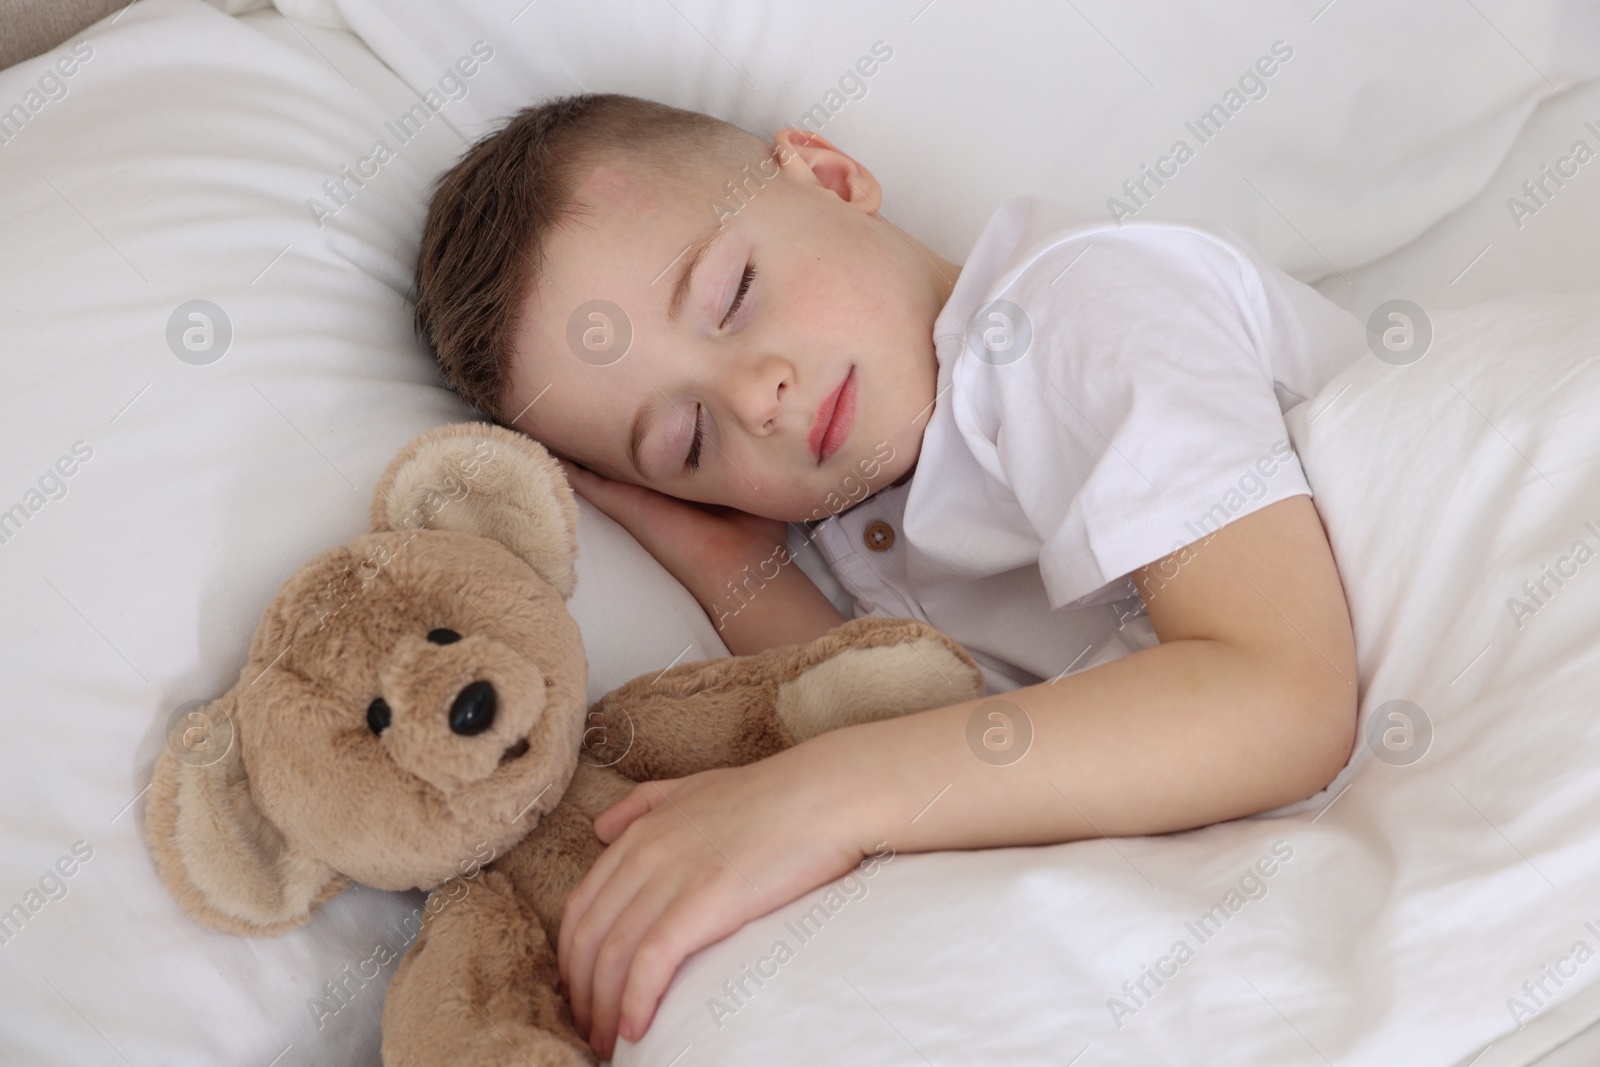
[(295, 796)]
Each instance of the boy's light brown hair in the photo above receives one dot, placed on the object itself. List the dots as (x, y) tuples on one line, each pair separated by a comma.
[(483, 244)]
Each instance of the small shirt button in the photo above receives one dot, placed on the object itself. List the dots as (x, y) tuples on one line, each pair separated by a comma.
[(878, 536)]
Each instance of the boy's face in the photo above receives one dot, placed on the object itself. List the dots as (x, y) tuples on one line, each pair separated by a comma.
[(836, 316)]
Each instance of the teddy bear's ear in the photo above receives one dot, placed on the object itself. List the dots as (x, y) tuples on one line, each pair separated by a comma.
[(223, 860), (487, 480)]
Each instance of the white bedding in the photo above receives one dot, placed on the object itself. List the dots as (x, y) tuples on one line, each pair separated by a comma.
[(1387, 922), (1374, 119), (177, 164)]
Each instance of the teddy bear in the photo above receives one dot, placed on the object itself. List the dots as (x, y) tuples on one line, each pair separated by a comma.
[(413, 714)]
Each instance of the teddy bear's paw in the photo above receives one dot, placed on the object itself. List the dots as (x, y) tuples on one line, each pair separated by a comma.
[(501, 1046), (552, 1053), (527, 1047), (479, 986), (874, 668), (735, 710)]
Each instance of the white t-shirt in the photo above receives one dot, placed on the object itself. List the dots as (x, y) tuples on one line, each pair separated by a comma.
[(1126, 400)]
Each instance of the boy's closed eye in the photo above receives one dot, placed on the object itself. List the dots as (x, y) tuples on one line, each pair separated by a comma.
[(745, 281), (692, 461)]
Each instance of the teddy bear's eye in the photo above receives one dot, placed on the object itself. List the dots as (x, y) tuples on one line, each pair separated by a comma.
[(378, 715), (443, 636)]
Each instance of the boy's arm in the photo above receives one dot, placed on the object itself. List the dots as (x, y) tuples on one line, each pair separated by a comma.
[(723, 557), (753, 612), (1247, 704)]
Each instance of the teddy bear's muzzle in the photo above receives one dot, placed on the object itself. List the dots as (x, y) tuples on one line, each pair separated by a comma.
[(458, 714)]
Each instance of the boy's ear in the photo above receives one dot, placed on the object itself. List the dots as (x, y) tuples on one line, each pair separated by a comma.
[(800, 150), (222, 859), (483, 479)]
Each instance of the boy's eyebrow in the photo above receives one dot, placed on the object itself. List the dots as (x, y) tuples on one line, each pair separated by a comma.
[(696, 252)]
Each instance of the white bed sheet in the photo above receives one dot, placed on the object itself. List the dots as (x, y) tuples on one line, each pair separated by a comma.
[(1480, 252)]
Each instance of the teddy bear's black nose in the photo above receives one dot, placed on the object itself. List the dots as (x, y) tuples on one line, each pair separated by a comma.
[(472, 712), (443, 636)]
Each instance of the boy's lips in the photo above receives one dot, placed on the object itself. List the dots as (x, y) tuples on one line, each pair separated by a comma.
[(834, 417)]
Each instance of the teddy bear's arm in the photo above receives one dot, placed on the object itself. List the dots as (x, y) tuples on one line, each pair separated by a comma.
[(732, 711), (480, 986)]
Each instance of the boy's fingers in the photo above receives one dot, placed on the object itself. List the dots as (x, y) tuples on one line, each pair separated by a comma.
[(576, 474), (593, 488), (615, 957), (590, 484), (629, 506), (701, 915), (614, 895), (641, 800), (577, 906), (583, 894)]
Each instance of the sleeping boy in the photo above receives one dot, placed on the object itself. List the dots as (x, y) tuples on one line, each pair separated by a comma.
[(1068, 453)]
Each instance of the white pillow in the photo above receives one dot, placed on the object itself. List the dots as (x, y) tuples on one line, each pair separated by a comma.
[(1503, 241), (163, 501), (1382, 118)]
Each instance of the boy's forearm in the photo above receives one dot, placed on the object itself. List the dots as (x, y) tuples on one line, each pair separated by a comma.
[(753, 612), (1175, 736)]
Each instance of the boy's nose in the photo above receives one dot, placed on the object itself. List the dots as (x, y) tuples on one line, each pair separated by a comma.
[(759, 395)]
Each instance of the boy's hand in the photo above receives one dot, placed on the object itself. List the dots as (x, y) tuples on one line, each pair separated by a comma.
[(690, 861), (707, 549), (690, 540)]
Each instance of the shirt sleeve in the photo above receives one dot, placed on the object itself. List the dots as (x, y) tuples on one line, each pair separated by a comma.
[(1142, 416)]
